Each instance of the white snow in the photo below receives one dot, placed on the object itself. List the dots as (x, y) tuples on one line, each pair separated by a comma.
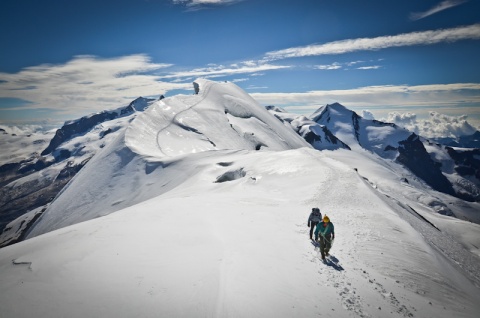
[(214, 228)]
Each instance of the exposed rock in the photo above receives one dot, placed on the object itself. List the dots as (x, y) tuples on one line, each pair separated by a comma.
[(31, 194), (231, 175), (324, 140), (414, 156)]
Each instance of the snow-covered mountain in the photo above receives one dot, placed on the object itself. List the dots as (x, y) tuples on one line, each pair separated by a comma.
[(198, 206), (38, 169), (220, 117), (448, 170)]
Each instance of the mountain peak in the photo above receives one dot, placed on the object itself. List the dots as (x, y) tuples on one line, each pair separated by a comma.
[(325, 111), (337, 106)]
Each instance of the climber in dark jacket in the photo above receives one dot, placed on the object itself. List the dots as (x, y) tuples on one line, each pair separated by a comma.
[(313, 219)]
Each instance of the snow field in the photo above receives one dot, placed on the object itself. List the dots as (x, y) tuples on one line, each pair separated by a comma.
[(205, 225), (239, 248)]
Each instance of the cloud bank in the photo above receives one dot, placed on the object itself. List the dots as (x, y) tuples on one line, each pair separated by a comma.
[(382, 42), (86, 83), (434, 95), (89, 84), (444, 5), (24, 129), (437, 125)]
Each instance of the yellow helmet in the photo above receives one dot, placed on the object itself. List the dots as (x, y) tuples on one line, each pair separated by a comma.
[(326, 219)]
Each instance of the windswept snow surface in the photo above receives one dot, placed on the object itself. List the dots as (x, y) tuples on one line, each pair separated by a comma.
[(215, 228)]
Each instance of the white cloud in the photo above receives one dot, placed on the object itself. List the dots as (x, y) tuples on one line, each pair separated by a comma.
[(23, 129), (367, 114), (381, 42), (401, 119), (86, 83), (252, 87), (439, 7), (237, 80), (436, 125), (89, 84), (388, 95), (354, 62), (194, 5), (454, 99), (334, 66), (346, 66), (220, 70), (373, 67)]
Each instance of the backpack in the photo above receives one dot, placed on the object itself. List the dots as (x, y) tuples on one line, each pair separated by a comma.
[(316, 215)]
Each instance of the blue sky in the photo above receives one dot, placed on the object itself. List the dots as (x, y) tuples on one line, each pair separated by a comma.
[(388, 59)]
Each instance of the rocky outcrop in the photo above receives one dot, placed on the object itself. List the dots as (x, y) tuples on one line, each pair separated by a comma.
[(467, 165), (16, 200), (414, 156), (322, 138), (467, 162)]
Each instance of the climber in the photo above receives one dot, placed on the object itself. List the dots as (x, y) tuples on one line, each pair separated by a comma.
[(325, 234), (313, 219)]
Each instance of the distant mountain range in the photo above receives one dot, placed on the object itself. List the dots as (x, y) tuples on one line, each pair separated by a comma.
[(446, 169), (29, 185)]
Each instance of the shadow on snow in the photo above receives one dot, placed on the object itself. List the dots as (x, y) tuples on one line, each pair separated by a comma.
[(331, 260)]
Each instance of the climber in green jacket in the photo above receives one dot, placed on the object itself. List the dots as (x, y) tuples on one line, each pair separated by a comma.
[(325, 234)]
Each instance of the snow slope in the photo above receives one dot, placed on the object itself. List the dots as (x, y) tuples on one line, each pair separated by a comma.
[(208, 226), (220, 117), (239, 248)]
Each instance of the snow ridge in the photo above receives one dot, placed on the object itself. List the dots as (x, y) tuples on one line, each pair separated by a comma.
[(220, 116)]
